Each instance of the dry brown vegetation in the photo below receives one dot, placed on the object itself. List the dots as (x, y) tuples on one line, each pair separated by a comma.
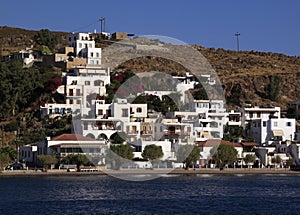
[(244, 74)]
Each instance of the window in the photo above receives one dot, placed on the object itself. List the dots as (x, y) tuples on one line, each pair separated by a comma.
[(85, 126), (264, 123), (92, 54), (275, 124), (97, 83), (250, 115), (70, 92), (124, 112), (71, 101), (100, 112), (139, 110), (80, 45), (288, 124), (97, 54), (87, 83), (258, 114), (56, 110), (77, 92), (78, 102)]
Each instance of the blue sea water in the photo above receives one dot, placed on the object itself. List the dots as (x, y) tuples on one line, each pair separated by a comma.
[(199, 194)]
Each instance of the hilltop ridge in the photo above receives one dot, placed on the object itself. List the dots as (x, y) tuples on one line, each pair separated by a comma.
[(246, 76)]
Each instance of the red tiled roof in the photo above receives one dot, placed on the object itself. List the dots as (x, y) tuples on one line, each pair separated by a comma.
[(80, 144), (249, 144), (66, 137), (215, 142)]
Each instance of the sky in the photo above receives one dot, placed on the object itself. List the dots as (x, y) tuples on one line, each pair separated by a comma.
[(263, 25)]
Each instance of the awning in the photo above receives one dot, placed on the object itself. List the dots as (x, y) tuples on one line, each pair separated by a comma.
[(278, 133)]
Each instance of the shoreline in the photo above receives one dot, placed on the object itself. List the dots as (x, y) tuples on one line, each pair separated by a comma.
[(158, 172)]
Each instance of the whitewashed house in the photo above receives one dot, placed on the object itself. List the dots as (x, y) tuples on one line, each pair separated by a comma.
[(84, 47), (251, 113), (166, 146), (212, 118), (266, 131), (206, 152), (63, 145)]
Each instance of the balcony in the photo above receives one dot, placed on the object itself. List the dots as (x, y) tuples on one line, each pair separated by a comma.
[(132, 132), (149, 132)]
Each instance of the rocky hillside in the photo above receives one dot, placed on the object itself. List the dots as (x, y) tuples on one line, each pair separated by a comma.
[(259, 78), (15, 39)]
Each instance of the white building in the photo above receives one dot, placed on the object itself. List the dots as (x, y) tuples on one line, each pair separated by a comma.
[(165, 145), (116, 117), (185, 82), (206, 152), (266, 131), (212, 118), (234, 118), (84, 47), (81, 89), (63, 145), (252, 113)]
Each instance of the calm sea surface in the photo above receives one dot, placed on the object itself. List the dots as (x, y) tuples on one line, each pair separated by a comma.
[(257, 194)]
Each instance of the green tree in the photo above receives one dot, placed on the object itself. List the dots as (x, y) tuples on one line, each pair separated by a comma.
[(47, 38), (290, 161), (233, 132), (118, 137), (123, 150), (224, 154), (152, 152), (11, 152), (273, 87), (20, 87), (4, 160), (44, 50), (47, 160), (276, 159), (79, 160), (120, 154), (249, 158), (188, 155)]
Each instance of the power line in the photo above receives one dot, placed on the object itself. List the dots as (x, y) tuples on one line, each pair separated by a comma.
[(83, 27)]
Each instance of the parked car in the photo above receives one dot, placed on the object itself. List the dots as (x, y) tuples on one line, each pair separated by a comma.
[(14, 166)]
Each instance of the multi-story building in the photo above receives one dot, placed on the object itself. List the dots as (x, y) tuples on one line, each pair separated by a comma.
[(84, 47), (212, 118), (234, 118), (273, 130), (251, 113)]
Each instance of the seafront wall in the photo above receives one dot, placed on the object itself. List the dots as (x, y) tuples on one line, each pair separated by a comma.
[(152, 171)]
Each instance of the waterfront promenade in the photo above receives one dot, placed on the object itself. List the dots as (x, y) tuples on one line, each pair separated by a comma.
[(203, 171)]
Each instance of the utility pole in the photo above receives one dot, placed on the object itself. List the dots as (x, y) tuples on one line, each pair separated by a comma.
[(237, 34), (102, 24)]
